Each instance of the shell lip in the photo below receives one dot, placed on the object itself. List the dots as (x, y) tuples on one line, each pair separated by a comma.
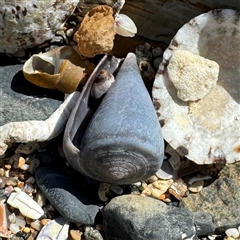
[(83, 112)]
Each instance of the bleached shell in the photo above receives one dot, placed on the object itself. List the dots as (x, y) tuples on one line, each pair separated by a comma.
[(25, 24), (125, 26), (205, 131)]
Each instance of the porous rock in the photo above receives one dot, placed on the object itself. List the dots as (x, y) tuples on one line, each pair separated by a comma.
[(136, 217), (72, 201), (25, 24), (224, 194), (192, 75)]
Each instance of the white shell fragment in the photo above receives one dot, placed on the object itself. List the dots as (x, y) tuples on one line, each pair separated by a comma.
[(37, 131), (125, 26), (26, 205), (205, 131), (55, 229), (192, 75), (25, 24)]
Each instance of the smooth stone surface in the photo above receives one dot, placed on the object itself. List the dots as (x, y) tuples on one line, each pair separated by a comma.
[(66, 196), (136, 217), (22, 100), (166, 171), (222, 194)]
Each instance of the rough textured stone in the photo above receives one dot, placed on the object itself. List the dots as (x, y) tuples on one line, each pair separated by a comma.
[(25, 24), (193, 76), (221, 199), (20, 99), (67, 196), (135, 217)]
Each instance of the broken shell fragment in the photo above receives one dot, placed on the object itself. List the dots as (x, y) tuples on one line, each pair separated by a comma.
[(61, 68), (205, 131), (125, 26), (96, 32)]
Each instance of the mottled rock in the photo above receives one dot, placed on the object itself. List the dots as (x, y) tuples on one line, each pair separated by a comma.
[(17, 93), (224, 194), (25, 24), (71, 200), (135, 217)]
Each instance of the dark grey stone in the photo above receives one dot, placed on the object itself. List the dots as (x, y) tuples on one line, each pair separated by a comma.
[(135, 217), (71, 200), (22, 100), (221, 199)]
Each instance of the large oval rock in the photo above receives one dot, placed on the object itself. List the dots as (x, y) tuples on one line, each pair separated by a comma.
[(135, 217)]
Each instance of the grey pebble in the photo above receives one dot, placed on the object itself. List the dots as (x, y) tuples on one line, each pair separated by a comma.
[(67, 196)]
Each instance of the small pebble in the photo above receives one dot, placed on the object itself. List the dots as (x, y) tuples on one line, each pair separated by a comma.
[(21, 162), (25, 167), (166, 171), (196, 186), (178, 189), (70, 32), (232, 232), (37, 225), (14, 228), (75, 235), (27, 148)]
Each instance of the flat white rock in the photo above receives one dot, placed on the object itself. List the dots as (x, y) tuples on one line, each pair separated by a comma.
[(26, 205)]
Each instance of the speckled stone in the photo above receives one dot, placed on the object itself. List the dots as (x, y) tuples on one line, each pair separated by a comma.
[(136, 217), (222, 194), (71, 200), (20, 99)]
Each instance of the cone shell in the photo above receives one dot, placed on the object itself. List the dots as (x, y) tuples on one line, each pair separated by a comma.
[(61, 68), (123, 143)]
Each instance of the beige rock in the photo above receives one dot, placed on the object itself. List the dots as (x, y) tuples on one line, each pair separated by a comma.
[(162, 185), (178, 189), (196, 186), (192, 75)]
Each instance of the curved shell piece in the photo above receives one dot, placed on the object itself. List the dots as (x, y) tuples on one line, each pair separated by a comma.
[(206, 130), (25, 24), (125, 26), (61, 68)]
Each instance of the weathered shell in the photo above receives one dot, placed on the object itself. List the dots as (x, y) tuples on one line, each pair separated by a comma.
[(122, 143), (61, 68), (125, 26), (25, 24), (207, 130)]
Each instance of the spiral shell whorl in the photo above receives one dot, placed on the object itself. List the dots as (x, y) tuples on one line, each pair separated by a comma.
[(122, 167)]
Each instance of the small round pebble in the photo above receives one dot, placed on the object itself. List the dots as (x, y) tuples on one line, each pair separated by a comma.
[(232, 232)]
